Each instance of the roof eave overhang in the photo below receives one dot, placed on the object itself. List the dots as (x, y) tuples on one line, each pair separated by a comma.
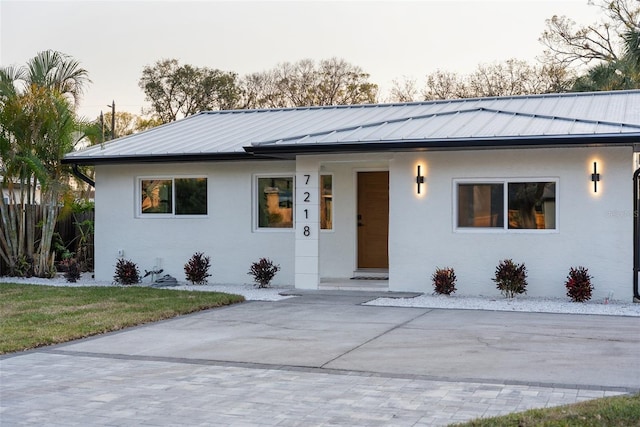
[(161, 158), (291, 150)]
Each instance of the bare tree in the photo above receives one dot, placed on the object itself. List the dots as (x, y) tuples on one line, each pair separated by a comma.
[(404, 90), (508, 78), (304, 83), (569, 43), (259, 90)]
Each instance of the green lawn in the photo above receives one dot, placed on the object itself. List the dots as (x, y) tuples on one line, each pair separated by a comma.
[(33, 316), (619, 411)]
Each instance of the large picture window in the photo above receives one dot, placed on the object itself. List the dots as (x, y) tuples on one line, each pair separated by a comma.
[(275, 202), (508, 205), (173, 196)]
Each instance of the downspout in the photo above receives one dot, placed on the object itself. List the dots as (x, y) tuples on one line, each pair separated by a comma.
[(636, 236), (82, 176)]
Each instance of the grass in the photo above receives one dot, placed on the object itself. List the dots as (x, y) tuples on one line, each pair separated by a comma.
[(618, 411), (33, 316)]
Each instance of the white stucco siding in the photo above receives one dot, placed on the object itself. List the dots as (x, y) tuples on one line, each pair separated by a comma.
[(226, 234), (593, 229)]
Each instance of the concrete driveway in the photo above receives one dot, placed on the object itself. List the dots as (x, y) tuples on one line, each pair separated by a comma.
[(323, 359)]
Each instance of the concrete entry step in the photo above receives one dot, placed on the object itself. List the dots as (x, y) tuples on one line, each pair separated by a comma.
[(370, 274), (370, 284)]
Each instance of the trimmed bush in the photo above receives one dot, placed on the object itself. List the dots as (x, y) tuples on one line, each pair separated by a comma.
[(127, 272), (511, 278), (578, 284), (444, 281), (197, 269), (263, 271)]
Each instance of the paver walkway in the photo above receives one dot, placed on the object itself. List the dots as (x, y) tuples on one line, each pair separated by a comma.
[(320, 360)]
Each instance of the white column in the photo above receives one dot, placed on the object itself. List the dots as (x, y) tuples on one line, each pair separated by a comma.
[(307, 271)]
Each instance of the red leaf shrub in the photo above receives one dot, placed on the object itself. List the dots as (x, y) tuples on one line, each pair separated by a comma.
[(578, 284), (197, 269), (444, 281), (127, 272), (263, 271), (511, 278)]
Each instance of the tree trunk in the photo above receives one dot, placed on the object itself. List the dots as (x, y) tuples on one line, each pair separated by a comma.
[(10, 243), (44, 260)]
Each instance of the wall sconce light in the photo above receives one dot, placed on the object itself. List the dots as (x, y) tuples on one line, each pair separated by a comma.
[(595, 177), (419, 179)]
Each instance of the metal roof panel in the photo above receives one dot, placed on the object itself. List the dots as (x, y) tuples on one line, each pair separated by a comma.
[(229, 132)]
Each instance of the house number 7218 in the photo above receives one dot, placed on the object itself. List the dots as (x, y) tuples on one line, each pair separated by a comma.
[(306, 231)]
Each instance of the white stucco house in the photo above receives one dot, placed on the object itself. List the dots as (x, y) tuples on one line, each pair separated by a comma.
[(389, 190)]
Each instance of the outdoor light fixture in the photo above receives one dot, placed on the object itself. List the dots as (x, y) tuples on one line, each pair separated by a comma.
[(419, 179), (595, 177)]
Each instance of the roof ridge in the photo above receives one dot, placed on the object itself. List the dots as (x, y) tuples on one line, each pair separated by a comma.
[(553, 117), (426, 102)]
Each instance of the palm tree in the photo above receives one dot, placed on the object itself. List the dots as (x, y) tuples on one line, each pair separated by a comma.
[(37, 125), (618, 74)]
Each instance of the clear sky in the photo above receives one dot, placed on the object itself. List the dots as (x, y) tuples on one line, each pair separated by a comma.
[(114, 40)]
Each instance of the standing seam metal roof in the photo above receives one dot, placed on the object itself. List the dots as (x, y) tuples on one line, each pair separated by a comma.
[(236, 132)]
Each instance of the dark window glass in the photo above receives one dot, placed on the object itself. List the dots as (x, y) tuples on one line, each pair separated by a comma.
[(191, 196), (532, 205), (481, 205)]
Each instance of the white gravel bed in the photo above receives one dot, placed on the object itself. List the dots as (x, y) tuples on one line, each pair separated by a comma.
[(250, 292), (519, 303), (459, 302)]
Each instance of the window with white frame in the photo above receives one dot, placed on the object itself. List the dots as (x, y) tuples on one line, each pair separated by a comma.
[(173, 196), (274, 201), (506, 204)]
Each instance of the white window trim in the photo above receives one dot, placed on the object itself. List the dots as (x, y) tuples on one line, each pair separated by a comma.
[(138, 196), (505, 228), (255, 204)]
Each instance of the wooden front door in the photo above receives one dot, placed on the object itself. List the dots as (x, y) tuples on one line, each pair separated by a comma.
[(373, 219)]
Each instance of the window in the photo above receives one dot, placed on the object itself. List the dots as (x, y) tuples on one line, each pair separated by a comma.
[(326, 202), (275, 202), (173, 196), (511, 205), (532, 205), (481, 205)]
